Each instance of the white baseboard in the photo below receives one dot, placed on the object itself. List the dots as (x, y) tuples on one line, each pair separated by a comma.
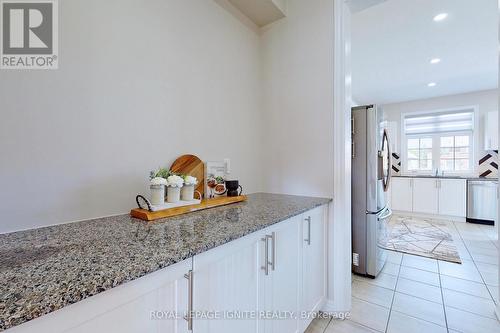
[(320, 305), (330, 308), (431, 216)]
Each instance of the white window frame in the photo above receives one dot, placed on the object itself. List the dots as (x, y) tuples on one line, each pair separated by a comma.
[(417, 136), (471, 153), (436, 152)]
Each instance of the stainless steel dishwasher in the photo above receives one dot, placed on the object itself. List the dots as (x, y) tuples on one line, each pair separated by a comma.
[(482, 201)]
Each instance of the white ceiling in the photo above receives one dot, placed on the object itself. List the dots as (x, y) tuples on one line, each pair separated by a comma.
[(393, 42)]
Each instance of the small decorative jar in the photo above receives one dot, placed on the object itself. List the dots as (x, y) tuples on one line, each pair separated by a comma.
[(157, 187), (174, 185), (187, 191), (173, 194)]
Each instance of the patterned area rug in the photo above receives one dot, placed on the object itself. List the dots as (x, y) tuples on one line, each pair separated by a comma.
[(422, 237)]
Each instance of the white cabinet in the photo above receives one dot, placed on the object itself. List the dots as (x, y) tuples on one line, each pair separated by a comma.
[(313, 291), (436, 196), (130, 308), (452, 197), (226, 281), (425, 195), (491, 131), (402, 194), (136, 316), (278, 271), (262, 273), (147, 313), (280, 288)]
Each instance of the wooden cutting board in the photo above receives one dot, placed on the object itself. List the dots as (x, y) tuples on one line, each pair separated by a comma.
[(191, 165), (146, 215)]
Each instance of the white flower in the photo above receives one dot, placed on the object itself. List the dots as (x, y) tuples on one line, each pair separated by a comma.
[(175, 181), (190, 180), (158, 181)]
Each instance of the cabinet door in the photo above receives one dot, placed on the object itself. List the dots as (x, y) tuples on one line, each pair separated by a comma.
[(491, 131), (425, 195), (160, 309), (226, 282), (280, 290), (313, 291), (132, 317), (453, 197), (401, 192)]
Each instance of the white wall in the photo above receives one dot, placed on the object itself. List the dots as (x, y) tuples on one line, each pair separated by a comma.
[(485, 101), (297, 58), (297, 64), (139, 83)]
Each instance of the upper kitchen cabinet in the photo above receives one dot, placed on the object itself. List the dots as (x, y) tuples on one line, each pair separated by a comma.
[(261, 12), (491, 131)]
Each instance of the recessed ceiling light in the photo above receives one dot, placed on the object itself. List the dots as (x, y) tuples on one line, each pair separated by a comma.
[(435, 61), (440, 17), (432, 84)]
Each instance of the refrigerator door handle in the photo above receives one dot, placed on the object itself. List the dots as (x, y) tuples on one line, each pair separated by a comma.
[(389, 164), (387, 178), (377, 212), (386, 215)]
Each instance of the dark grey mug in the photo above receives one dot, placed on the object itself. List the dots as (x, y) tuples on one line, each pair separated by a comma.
[(232, 188)]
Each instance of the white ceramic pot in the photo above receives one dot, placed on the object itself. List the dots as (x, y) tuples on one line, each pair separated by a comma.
[(157, 194), (187, 193), (173, 194)]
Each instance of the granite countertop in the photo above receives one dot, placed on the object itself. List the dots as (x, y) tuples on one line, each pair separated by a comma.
[(447, 177), (45, 269)]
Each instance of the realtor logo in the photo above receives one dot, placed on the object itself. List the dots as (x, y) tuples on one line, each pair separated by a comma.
[(29, 34)]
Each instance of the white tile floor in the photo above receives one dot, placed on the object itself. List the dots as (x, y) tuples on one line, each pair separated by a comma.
[(421, 295)]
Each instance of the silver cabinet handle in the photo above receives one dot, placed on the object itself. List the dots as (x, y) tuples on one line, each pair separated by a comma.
[(265, 267), (273, 237), (267, 262), (308, 239), (189, 316)]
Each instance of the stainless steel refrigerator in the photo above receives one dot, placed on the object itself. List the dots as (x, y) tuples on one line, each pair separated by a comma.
[(371, 175)]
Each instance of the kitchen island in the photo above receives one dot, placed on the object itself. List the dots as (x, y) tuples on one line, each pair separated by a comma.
[(46, 269)]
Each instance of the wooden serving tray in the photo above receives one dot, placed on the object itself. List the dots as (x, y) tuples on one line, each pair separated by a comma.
[(147, 215)]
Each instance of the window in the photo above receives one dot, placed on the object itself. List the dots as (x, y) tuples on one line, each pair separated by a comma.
[(439, 141), (455, 153), (419, 154)]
